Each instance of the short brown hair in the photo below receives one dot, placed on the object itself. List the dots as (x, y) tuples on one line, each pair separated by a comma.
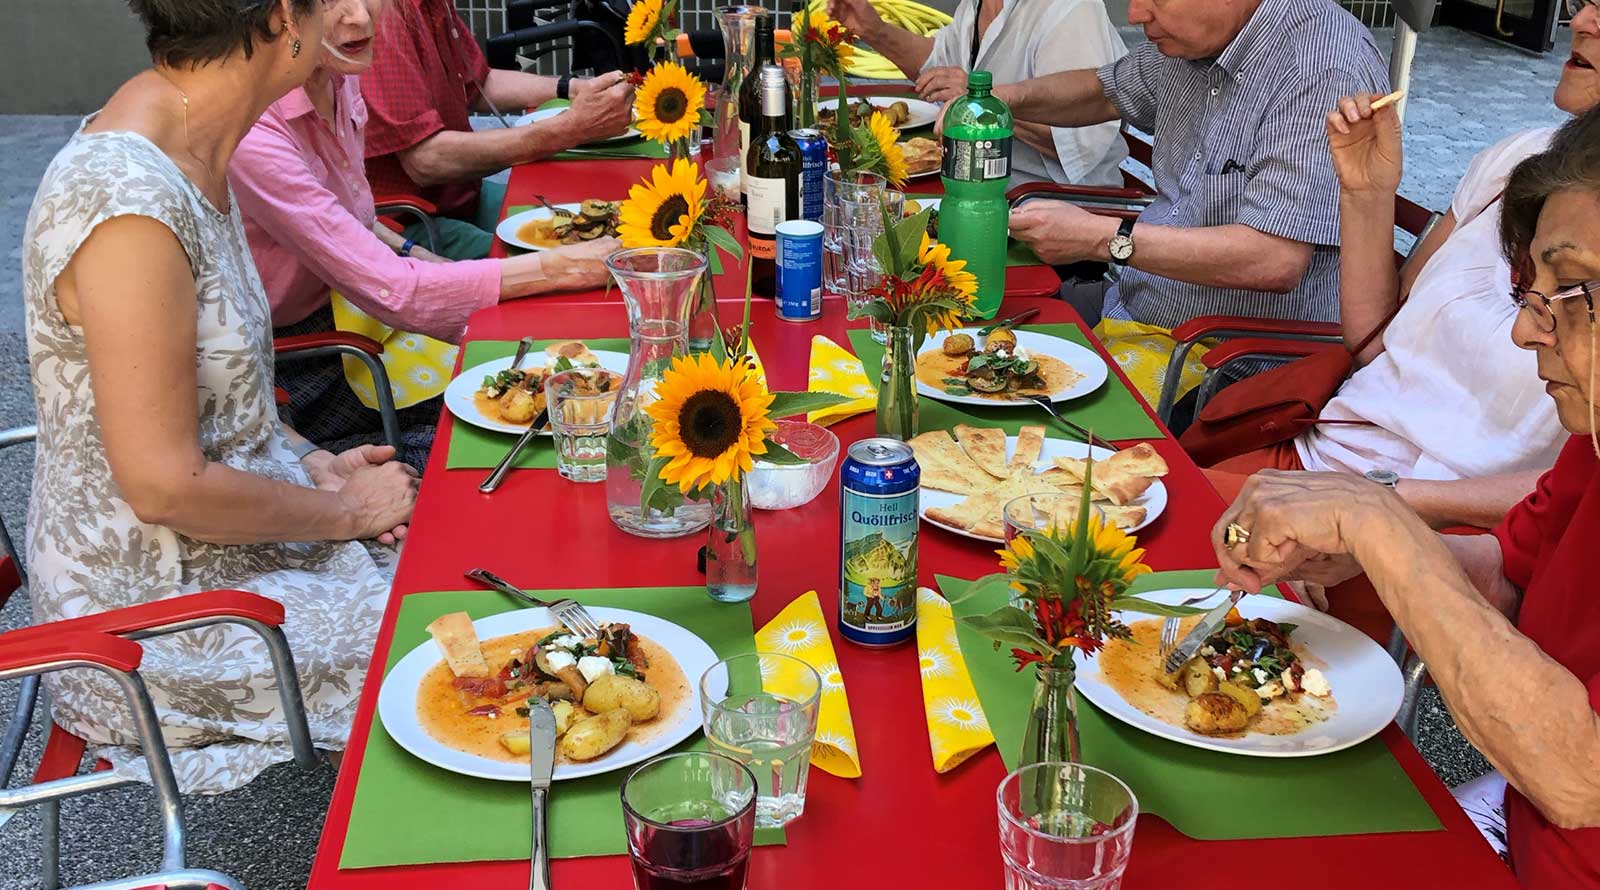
[(190, 33), (1572, 162)]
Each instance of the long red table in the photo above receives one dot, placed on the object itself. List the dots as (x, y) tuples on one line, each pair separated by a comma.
[(900, 824)]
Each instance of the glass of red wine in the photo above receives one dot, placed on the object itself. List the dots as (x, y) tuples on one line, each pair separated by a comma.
[(690, 819)]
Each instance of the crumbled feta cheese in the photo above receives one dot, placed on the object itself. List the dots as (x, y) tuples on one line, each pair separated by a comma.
[(1207, 651), (1021, 354), (1314, 682), (592, 666), (566, 641), (1220, 675), (1260, 675), (559, 659), (1270, 690)]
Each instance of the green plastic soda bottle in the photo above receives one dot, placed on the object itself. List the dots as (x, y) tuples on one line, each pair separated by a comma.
[(976, 170)]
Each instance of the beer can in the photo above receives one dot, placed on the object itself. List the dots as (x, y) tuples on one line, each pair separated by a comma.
[(813, 166), (878, 496), (799, 286)]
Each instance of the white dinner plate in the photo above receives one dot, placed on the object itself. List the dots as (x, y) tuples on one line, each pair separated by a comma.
[(1366, 684), (458, 396), (507, 230), (1080, 358), (546, 113), (397, 700), (922, 113), (1154, 499)]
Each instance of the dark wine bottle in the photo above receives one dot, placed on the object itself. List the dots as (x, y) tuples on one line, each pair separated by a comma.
[(750, 91), (772, 186)]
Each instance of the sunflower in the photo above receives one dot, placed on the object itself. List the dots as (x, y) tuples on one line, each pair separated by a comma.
[(710, 417), (664, 210), (642, 21), (669, 102), (948, 278), (894, 158)]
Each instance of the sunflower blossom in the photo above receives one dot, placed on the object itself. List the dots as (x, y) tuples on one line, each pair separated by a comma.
[(887, 139), (710, 418), (666, 210), (643, 19), (667, 106)]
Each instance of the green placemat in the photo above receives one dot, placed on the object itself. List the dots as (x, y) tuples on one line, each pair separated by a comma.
[(1019, 254), (1110, 411), (1207, 795), (407, 812), (471, 446)]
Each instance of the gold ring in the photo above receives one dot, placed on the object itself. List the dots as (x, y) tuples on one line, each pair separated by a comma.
[(1235, 534)]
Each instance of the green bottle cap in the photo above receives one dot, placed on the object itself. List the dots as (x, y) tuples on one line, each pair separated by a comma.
[(980, 80)]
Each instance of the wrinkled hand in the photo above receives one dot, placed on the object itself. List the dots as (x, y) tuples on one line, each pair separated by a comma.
[(942, 85), (579, 266), (602, 108), (1365, 145), (1304, 525), (857, 15), (376, 489), (427, 256), (1060, 232)]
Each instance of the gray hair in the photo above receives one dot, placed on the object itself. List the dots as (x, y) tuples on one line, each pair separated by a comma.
[(190, 33), (1571, 163)]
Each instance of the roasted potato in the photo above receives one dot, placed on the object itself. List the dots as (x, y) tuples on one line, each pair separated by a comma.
[(1001, 338), (957, 344), (1198, 678), (1173, 681), (564, 711), (610, 691), (594, 736), (1215, 714), (1243, 695), (517, 406), (516, 741)]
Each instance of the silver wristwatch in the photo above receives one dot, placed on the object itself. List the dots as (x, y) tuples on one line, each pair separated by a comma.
[(1388, 478)]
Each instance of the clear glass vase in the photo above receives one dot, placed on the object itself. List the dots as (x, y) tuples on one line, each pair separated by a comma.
[(657, 285), (704, 325), (1052, 732), (731, 545), (738, 44), (897, 387), (803, 96)]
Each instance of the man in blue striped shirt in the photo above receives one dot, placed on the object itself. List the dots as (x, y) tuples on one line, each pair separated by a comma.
[(1246, 221)]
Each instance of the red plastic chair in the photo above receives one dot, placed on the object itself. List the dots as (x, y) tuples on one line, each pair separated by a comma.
[(420, 209), (107, 642), (302, 347)]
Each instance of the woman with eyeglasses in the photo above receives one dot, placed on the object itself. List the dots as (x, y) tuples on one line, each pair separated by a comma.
[(1508, 623), (162, 467), (1440, 404)]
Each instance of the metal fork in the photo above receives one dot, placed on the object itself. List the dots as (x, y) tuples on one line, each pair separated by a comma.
[(1089, 437), (572, 615), (1169, 628)]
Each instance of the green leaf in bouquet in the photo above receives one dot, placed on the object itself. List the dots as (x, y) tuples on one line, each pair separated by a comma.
[(981, 587), (788, 404), (1146, 607), (777, 454), (723, 240), (1011, 626), (652, 488), (875, 309)]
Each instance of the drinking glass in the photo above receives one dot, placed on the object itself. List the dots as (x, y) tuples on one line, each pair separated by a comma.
[(723, 174), (690, 820), (837, 185), (580, 402), (1041, 512), (863, 221), (1065, 825), (769, 731)]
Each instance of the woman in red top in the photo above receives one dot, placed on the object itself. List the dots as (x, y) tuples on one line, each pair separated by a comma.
[(1509, 623)]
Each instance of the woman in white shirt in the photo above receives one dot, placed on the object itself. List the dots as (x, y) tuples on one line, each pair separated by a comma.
[(1444, 401), (1014, 40)]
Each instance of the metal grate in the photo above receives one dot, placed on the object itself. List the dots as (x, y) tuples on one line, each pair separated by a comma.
[(486, 17), (1372, 13)]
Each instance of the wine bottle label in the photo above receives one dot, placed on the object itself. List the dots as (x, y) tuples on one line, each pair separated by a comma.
[(976, 160), (767, 204)]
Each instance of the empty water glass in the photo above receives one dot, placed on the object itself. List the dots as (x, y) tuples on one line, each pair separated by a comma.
[(1065, 825), (863, 221), (761, 710), (835, 186), (580, 402)]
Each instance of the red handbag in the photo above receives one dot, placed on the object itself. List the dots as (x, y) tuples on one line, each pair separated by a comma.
[(1273, 406)]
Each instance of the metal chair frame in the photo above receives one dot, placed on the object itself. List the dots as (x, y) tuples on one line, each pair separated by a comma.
[(368, 356)]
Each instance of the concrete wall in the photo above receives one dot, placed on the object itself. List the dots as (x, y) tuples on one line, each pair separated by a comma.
[(66, 56)]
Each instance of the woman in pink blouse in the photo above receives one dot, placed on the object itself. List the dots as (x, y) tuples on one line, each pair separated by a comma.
[(299, 178)]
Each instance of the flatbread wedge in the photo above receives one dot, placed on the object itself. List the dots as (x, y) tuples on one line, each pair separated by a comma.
[(1122, 517), (986, 446), (1030, 442), (1140, 460), (945, 467), (1110, 482), (459, 642)]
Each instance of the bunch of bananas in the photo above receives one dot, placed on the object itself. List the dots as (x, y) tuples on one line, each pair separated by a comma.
[(912, 16)]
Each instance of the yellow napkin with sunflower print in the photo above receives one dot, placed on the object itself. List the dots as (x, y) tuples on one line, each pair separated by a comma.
[(835, 370), (418, 366), (957, 727), (801, 631)]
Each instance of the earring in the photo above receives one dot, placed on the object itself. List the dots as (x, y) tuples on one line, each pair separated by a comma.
[(294, 49)]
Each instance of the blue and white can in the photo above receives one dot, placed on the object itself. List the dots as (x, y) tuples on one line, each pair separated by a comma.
[(799, 286), (879, 487), (813, 166)]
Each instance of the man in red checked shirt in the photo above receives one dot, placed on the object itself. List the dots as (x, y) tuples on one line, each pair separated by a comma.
[(427, 76)]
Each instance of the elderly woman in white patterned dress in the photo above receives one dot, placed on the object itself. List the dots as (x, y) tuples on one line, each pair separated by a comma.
[(162, 466)]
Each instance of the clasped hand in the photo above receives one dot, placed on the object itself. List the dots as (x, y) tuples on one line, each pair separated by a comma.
[(377, 489)]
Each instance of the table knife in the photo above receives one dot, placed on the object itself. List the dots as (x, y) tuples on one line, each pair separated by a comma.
[(498, 474), (541, 764), (1011, 322), (1209, 624)]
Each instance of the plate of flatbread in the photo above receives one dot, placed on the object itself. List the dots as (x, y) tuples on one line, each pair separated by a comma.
[(970, 473)]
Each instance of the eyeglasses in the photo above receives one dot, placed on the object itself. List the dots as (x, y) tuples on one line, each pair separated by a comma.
[(1576, 6), (1542, 309)]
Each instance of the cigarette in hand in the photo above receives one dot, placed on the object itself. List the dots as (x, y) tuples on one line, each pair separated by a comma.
[(1390, 99)]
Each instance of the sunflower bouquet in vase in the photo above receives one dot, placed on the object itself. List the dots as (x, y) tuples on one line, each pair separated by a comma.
[(922, 291), (821, 46), (1065, 583), (650, 25)]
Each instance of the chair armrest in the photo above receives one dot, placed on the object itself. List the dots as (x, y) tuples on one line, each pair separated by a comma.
[(23, 653), (1252, 347), (1202, 326), (301, 342), (1056, 189), (401, 202), (148, 619)]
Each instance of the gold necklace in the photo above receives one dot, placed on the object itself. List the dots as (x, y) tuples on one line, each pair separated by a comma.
[(188, 145)]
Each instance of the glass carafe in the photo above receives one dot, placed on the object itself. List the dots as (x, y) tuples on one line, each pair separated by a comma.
[(657, 285), (738, 37)]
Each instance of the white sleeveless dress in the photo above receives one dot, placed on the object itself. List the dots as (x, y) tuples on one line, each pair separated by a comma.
[(214, 688)]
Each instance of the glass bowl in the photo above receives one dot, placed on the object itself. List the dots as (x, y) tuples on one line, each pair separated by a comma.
[(782, 486)]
